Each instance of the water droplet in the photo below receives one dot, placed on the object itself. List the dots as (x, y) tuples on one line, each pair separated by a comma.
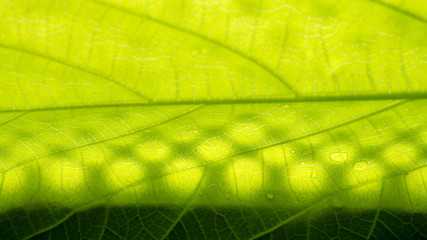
[(339, 156), (360, 165), (292, 151), (213, 185), (270, 195), (302, 163)]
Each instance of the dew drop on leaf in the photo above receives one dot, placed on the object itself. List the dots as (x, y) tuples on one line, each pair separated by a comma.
[(338, 157), (292, 151), (360, 165)]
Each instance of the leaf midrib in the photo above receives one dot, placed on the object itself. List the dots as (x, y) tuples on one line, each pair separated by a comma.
[(261, 99), (283, 100)]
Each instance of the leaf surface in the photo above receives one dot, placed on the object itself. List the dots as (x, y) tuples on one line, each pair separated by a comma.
[(213, 119)]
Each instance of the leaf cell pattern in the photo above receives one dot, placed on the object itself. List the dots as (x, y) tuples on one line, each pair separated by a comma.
[(213, 119)]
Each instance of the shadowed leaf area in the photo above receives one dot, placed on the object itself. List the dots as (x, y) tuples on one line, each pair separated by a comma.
[(330, 224), (247, 119)]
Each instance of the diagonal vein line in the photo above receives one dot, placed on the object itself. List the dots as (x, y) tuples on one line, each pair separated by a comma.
[(186, 206), (401, 11), (378, 111), (57, 223), (389, 106), (385, 108), (76, 67), (374, 223), (377, 213), (13, 119), (204, 38), (104, 225), (107, 196), (182, 114)]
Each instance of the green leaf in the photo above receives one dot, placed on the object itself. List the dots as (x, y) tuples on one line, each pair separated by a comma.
[(213, 119)]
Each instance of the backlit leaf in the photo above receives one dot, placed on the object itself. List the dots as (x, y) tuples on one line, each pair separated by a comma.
[(213, 119)]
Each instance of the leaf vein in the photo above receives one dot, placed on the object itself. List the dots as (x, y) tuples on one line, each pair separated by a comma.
[(76, 67), (204, 38), (188, 111)]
